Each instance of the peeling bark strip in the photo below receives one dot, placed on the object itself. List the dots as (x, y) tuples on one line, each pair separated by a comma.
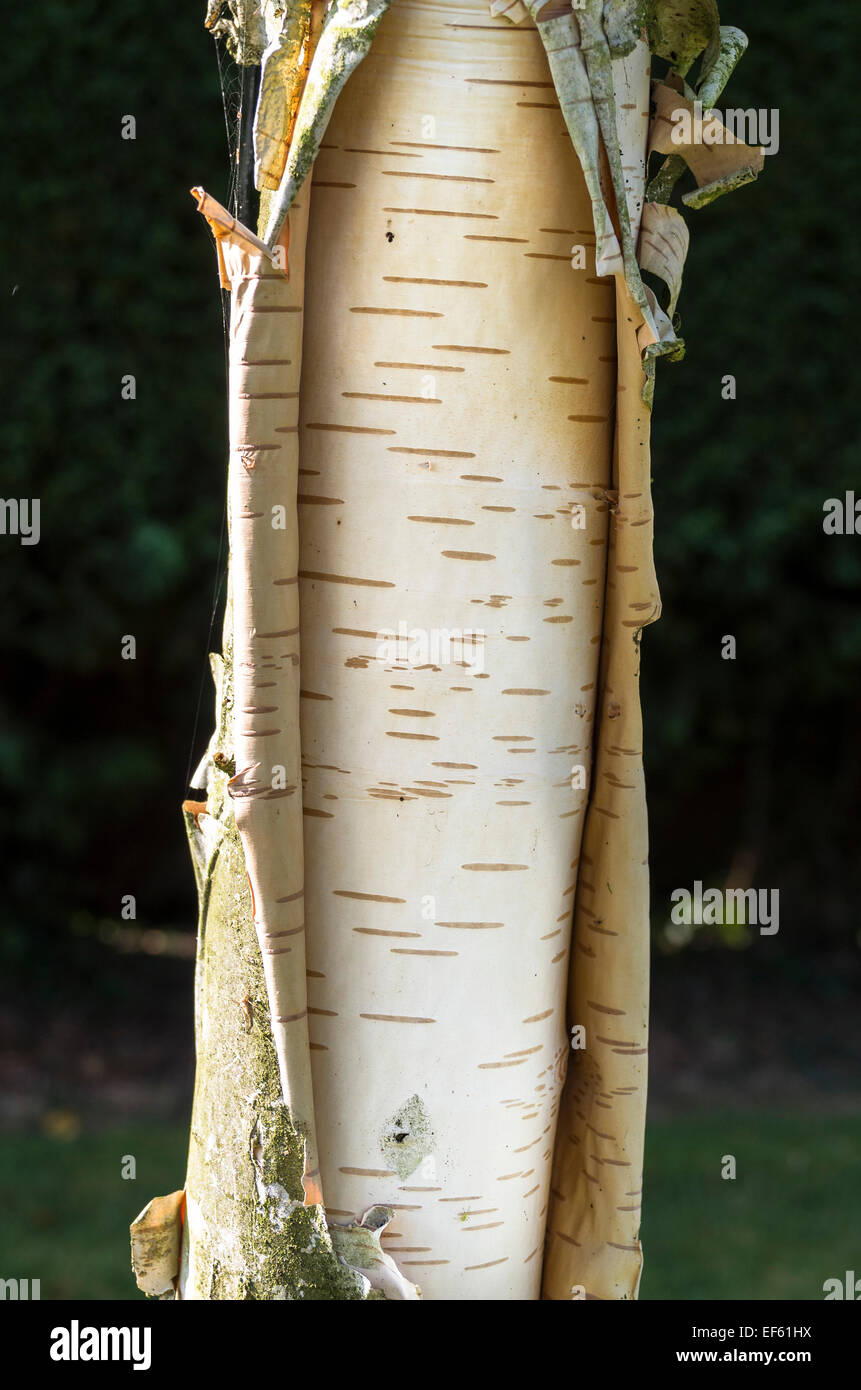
[(439, 1067), (262, 486)]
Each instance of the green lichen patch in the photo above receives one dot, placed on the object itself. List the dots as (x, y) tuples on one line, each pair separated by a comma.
[(407, 1138)]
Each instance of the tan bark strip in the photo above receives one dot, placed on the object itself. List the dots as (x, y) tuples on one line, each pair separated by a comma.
[(378, 931), (461, 347), (349, 429), (462, 149), (398, 313), (407, 951), (365, 897), (494, 868), (441, 178), (420, 366), (396, 1018), (404, 400), (505, 82), (454, 284), (369, 1172), (438, 212), (470, 926), (346, 579), (429, 453)]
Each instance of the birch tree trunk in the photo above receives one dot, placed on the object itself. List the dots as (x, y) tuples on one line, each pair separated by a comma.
[(427, 768)]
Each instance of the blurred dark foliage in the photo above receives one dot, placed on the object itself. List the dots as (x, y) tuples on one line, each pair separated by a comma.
[(108, 270)]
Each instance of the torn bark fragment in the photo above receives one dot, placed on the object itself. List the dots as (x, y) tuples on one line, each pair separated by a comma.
[(358, 1245), (717, 159), (156, 1238)]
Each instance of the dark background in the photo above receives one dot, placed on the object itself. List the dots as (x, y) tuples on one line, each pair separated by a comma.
[(752, 764)]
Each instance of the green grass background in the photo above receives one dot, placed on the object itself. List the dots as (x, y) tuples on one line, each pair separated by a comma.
[(788, 1222)]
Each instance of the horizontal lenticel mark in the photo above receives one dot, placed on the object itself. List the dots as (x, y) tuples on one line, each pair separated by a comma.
[(505, 82), (291, 1018), (488, 1226), (479, 477), (369, 1172), (420, 366), (378, 931), (365, 897), (545, 256), (424, 738), (537, 1018), (354, 632), (466, 555), (525, 691), (470, 926), (541, 105), (396, 1018), (462, 149), (416, 280), (352, 150), (347, 579), (311, 501), (275, 309), (493, 868), (516, 240), (321, 815), (468, 767), (312, 695), (413, 951), (493, 1066), (438, 212), (443, 520), (571, 380), (398, 313), (405, 400), (438, 178), (350, 429), (264, 396), (429, 453), (415, 713), (461, 347)]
